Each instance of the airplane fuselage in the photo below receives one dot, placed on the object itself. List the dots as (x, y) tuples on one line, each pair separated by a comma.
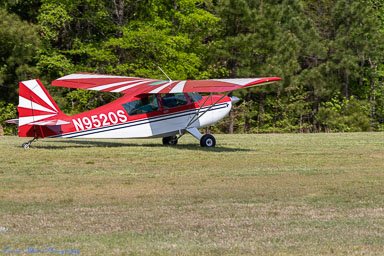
[(144, 116)]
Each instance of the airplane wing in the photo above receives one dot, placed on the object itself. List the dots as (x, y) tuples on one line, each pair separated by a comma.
[(136, 86)]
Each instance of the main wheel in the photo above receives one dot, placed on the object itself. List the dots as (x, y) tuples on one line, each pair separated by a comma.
[(171, 140), (207, 141), (26, 145)]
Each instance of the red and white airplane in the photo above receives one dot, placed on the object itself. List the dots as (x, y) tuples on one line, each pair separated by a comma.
[(149, 108)]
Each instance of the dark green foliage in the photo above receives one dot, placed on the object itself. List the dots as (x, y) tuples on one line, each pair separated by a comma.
[(343, 115), (322, 49), (7, 111), (19, 43), (329, 54)]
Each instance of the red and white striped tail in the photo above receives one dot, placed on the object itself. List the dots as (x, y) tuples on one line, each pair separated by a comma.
[(35, 103)]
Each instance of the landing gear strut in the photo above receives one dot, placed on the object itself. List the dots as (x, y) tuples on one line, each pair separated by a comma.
[(28, 144)]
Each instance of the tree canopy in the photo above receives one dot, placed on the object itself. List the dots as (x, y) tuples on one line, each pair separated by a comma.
[(328, 53)]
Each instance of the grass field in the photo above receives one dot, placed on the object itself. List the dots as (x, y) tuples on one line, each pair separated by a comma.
[(275, 194)]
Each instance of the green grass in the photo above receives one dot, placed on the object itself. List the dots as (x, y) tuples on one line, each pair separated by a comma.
[(275, 194)]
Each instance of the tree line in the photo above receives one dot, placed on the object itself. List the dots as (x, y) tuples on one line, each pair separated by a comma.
[(329, 54)]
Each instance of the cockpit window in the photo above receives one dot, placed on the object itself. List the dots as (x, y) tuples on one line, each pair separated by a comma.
[(195, 96), (170, 100), (141, 106)]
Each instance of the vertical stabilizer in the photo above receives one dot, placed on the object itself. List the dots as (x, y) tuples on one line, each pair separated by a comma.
[(35, 103)]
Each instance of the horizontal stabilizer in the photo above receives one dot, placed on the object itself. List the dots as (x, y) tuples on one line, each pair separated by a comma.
[(12, 121), (50, 122), (42, 123)]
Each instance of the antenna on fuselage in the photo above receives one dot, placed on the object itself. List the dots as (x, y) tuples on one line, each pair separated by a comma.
[(170, 80)]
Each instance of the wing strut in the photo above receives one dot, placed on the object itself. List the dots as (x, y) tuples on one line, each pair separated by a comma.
[(201, 106), (197, 116), (206, 140)]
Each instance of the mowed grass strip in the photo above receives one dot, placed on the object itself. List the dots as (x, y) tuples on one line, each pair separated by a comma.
[(280, 194)]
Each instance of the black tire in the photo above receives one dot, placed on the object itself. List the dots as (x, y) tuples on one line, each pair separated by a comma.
[(171, 140), (208, 141)]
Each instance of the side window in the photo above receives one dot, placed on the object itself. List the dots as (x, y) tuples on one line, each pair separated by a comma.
[(141, 106), (170, 100), (195, 96)]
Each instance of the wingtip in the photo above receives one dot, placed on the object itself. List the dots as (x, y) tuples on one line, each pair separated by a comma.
[(273, 79)]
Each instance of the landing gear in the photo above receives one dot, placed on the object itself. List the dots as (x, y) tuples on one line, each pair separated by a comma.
[(207, 141), (171, 140), (28, 144)]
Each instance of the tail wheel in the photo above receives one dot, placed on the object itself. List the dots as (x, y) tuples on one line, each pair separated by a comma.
[(171, 140), (26, 145), (207, 141)]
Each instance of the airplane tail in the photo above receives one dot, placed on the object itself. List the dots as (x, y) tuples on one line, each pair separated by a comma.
[(36, 109)]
